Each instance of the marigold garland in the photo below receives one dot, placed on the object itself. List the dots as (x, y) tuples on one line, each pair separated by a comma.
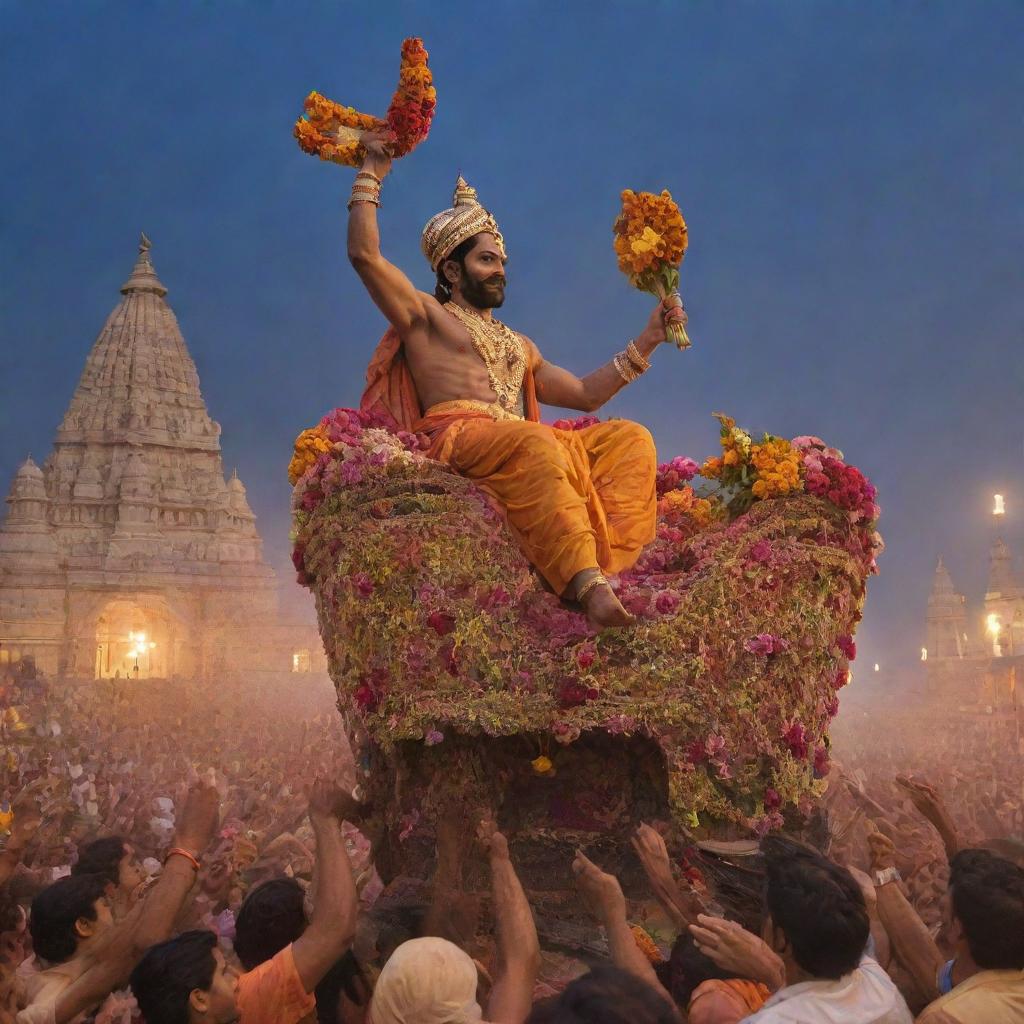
[(650, 242), (333, 132)]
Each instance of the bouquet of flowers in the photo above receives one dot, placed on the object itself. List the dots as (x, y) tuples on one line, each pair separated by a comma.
[(335, 132), (650, 242)]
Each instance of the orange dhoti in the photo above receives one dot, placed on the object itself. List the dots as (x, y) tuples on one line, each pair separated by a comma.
[(574, 499)]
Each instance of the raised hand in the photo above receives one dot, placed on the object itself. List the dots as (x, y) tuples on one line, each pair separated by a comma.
[(600, 891), (652, 851), (882, 850), (493, 841), (198, 820), (741, 953)]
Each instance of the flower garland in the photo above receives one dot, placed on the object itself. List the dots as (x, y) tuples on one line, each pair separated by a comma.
[(650, 243), (437, 631), (333, 132)]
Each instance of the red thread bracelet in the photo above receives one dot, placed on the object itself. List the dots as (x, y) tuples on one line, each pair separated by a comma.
[(182, 853)]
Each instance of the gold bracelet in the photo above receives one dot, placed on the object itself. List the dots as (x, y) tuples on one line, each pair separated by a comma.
[(363, 199), (625, 370), (597, 580), (634, 356), (371, 175)]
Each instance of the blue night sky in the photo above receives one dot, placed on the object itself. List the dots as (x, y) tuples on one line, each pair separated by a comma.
[(851, 174)]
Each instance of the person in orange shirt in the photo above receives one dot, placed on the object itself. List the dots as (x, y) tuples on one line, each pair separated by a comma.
[(188, 981)]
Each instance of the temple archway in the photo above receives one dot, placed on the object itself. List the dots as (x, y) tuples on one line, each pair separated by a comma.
[(133, 640)]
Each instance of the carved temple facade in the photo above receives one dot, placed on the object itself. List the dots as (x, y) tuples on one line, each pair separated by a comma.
[(127, 553)]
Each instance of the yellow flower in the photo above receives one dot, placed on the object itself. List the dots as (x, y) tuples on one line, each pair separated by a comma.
[(646, 944), (309, 446), (542, 765)]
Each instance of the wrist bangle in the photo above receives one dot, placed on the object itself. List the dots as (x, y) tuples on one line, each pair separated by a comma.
[(181, 852), (625, 368), (369, 174), (634, 356)]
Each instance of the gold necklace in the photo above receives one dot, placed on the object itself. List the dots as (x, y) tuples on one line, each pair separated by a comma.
[(502, 352)]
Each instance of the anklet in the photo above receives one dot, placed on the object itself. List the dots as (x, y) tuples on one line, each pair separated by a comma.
[(597, 580)]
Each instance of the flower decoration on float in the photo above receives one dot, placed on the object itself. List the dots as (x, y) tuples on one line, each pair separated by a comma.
[(650, 242), (334, 132)]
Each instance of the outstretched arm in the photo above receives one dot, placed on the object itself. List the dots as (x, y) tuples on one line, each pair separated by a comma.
[(911, 941), (392, 292), (929, 802), (607, 903), (518, 949), (332, 926), (151, 921), (557, 386)]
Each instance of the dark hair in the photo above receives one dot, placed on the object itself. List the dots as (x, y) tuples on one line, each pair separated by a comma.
[(988, 901), (271, 918), (57, 909), (686, 968), (101, 857), (606, 995), (817, 904), (443, 289), (165, 978)]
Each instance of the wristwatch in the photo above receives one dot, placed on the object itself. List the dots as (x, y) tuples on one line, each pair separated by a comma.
[(887, 875)]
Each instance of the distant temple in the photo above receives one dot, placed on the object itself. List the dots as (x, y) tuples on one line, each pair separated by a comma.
[(128, 553), (977, 659)]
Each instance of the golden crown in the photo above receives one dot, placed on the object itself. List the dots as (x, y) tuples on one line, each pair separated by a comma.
[(448, 229)]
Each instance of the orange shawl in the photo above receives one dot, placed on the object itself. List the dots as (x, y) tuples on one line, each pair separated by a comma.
[(391, 391)]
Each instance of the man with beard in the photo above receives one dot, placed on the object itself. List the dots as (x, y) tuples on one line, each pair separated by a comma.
[(580, 503)]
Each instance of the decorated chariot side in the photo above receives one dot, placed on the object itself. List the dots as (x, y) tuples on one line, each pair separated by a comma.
[(465, 683)]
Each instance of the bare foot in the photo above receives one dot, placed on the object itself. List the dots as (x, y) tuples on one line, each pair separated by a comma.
[(604, 609)]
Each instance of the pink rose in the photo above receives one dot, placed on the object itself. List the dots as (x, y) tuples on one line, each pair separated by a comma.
[(847, 646), (795, 737), (441, 623)]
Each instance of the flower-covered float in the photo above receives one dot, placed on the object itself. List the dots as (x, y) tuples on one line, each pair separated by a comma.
[(465, 684)]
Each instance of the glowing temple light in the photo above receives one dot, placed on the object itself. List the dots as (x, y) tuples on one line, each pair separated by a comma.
[(876, 666), (924, 653), (999, 508), (141, 638), (992, 624)]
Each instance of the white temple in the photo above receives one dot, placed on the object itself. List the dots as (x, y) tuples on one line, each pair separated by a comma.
[(128, 553)]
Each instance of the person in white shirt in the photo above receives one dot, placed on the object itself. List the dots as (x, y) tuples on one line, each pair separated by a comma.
[(811, 952)]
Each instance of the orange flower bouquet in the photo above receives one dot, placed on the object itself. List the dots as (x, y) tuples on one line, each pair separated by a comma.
[(650, 242), (335, 132)]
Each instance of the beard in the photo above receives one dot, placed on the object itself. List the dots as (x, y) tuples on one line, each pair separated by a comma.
[(486, 294)]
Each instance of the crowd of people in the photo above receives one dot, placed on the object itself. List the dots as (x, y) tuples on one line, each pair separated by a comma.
[(137, 884)]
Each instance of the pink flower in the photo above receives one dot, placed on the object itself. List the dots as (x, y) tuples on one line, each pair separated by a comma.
[(696, 752), (441, 623), (433, 738), (666, 602), (672, 475), (761, 551), (619, 724), (832, 707), (366, 698), (772, 800), (795, 737), (580, 423), (572, 693), (766, 643), (841, 678), (363, 584), (769, 823), (847, 646), (821, 761), (585, 656)]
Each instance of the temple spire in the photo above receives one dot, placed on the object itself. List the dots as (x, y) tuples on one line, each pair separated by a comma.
[(143, 277)]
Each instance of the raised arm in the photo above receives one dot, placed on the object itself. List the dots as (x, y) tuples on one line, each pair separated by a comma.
[(112, 960), (912, 943), (604, 897), (518, 949), (392, 292), (929, 802), (682, 906), (333, 924), (557, 386)]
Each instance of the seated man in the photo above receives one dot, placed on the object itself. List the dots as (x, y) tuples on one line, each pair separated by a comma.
[(815, 929), (186, 980), (580, 503), (74, 931), (984, 919)]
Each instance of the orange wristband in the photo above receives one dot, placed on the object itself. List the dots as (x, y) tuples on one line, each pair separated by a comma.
[(182, 853)]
